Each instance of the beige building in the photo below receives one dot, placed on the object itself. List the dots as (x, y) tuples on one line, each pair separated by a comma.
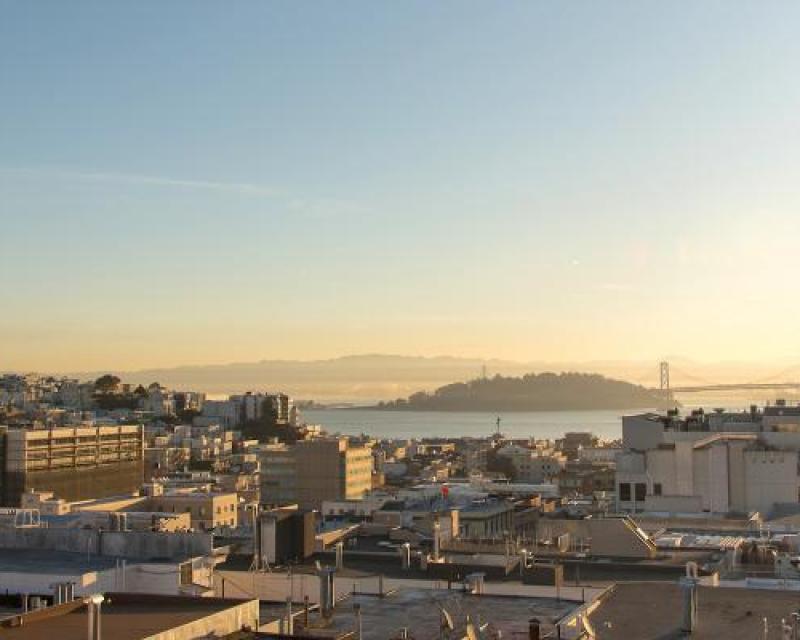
[(313, 471), (203, 510), (534, 465), (74, 462), (207, 510)]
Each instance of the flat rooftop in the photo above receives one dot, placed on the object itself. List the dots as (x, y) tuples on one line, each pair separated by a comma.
[(69, 563), (419, 611), (55, 562), (643, 611), (124, 617)]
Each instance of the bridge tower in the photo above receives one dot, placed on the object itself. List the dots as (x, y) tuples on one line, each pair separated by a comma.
[(666, 392)]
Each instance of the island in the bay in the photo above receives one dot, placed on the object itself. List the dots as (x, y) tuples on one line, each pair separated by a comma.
[(534, 392)]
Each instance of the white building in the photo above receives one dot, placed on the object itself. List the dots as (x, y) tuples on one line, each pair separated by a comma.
[(720, 473)]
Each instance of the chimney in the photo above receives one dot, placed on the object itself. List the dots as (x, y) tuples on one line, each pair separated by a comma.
[(533, 629)]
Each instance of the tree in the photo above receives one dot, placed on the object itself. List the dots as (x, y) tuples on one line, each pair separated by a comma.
[(107, 384)]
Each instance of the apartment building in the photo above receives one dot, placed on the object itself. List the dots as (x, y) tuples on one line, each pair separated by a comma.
[(208, 510), (75, 463), (533, 465), (179, 509), (313, 471)]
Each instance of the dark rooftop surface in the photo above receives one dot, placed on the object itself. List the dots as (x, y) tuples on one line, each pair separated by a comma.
[(124, 617), (47, 561), (650, 611)]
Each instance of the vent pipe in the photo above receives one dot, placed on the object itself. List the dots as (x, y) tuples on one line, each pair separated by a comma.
[(93, 619), (689, 598), (339, 555), (405, 556), (327, 591)]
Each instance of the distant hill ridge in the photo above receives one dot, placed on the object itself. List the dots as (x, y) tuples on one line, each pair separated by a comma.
[(366, 379), (531, 392)]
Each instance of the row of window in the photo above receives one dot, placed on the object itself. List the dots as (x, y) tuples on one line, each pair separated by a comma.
[(639, 491), (201, 511)]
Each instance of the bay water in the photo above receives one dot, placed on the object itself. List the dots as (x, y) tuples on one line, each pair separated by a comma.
[(606, 424)]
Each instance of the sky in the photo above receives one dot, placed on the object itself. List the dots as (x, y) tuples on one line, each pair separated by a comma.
[(193, 182)]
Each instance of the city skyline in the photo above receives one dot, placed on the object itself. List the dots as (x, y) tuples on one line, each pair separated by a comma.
[(527, 182)]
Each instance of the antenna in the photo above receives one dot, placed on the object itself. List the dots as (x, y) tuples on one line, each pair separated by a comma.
[(497, 433)]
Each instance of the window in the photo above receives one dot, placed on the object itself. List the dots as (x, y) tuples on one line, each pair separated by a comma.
[(656, 488), (186, 573), (641, 491), (625, 491)]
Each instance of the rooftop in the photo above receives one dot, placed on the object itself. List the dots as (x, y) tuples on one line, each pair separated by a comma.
[(124, 617), (56, 562), (419, 610), (730, 613), (69, 563)]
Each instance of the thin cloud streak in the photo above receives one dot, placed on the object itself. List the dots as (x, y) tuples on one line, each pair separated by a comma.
[(316, 208), (242, 188)]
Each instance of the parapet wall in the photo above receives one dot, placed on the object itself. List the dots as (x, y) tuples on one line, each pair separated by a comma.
[(143, 545)]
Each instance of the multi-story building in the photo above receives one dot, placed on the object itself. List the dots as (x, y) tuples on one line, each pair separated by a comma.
[(573, 441), (688, 466), (159, 401), (208, 510), (176, 509), (189, 401), (312, 471), (278, 474), (226, 413), (248, 407), (74, 462), (282, 405), (533, 465)]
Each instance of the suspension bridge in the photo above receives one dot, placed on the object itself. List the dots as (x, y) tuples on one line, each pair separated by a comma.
[(773, 383)]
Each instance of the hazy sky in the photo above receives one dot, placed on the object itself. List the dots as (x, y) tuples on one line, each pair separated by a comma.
[(199, 182)]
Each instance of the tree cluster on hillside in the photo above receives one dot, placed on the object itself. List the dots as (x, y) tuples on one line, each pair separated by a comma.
[(108, 395), (532, 392)]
